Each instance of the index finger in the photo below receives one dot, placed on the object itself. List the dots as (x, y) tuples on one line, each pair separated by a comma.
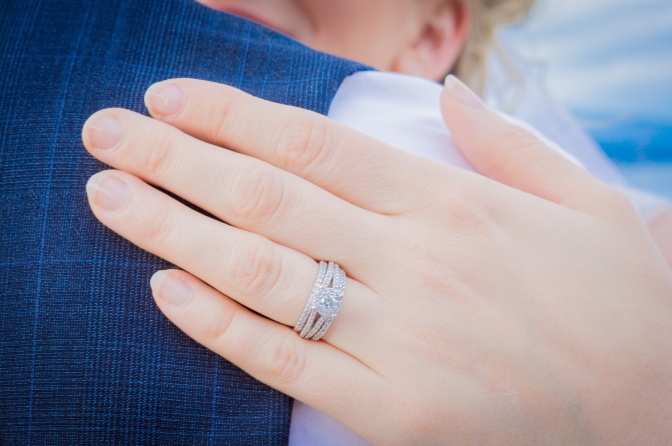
[(340, 160)]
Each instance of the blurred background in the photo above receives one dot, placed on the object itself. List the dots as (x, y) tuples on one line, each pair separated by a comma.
[(610, 63)]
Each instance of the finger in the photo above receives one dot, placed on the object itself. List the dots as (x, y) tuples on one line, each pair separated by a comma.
[(271, 279), (508, 153), (347, 163), (238, 189), (313, 372)]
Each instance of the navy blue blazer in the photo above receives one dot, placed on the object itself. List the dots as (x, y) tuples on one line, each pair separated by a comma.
[(85, 356)]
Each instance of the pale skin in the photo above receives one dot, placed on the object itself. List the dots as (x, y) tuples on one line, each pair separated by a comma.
[(491, 308), (419, 37), (465, 333)]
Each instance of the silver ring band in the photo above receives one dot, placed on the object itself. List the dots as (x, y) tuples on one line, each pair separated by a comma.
[(324, 302)]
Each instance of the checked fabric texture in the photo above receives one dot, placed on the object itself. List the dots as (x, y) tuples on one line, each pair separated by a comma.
[(85, 356)]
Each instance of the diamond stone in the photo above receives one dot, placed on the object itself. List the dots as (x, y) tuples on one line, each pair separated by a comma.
[(328, 301)]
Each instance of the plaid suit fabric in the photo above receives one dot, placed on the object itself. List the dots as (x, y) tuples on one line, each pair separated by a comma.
[(85, 356)]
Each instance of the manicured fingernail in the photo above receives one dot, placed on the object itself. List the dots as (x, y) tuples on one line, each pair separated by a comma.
[(107, 191), (171, 289), (104, 130), (461, 93), (164, 99)]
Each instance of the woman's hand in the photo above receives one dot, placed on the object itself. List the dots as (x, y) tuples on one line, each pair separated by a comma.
[(525, 305)]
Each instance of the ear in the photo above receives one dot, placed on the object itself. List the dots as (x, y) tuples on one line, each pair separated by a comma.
[(438, 42)]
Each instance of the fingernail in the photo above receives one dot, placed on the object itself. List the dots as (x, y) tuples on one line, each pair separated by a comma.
[(164, 99), (104, 130), (461, 93), (171, 289), (107, 191)]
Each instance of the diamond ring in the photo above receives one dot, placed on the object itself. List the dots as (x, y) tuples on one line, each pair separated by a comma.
[(323, 303)]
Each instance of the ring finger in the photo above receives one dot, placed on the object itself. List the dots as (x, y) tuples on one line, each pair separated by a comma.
[(269, 278)]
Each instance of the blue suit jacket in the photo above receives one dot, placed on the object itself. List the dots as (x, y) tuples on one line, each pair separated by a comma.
[(85, 356)]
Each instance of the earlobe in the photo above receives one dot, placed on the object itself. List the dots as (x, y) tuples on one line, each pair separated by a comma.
[(438, 43)]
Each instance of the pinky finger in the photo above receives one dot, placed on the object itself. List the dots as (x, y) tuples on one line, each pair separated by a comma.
[(315, 373)]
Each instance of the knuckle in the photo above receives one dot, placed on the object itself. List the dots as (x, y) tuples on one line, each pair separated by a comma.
[(256, 196), (285, 360), (158, 227), (516, 145), (219, 125), (256, 269), (303, 142), (468, 211), (219, 328), (158, 153)]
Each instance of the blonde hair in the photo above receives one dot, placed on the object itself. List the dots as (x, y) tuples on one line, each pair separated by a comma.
[(486, 15)]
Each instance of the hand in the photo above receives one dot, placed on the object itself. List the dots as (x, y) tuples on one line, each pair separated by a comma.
[(525, 305)]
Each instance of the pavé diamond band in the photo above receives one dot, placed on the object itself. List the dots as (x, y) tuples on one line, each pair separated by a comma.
[(323, 303)]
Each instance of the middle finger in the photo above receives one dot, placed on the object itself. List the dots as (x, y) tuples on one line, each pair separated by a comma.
[(241, 190)]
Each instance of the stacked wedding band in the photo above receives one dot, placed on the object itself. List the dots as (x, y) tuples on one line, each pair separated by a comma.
[(323, 303)]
